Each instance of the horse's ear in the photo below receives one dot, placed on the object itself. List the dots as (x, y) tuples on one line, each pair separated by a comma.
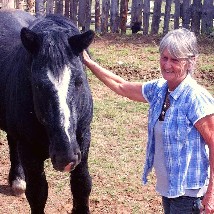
[(30, 40), (81, 41)]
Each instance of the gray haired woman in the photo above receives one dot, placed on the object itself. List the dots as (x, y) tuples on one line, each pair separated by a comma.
[(180, 125)]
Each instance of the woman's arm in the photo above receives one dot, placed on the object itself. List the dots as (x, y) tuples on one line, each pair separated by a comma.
[(206, 127), (132, 90)]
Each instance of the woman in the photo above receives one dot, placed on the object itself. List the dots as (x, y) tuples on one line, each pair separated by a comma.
[(181, 123)]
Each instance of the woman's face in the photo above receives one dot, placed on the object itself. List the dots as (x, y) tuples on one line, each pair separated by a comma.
[(172, 69)]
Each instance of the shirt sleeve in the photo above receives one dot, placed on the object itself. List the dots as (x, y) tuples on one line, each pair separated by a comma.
[(201, 106), (149, 89)]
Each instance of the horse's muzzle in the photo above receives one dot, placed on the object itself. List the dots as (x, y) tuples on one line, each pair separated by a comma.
[(63, 164)]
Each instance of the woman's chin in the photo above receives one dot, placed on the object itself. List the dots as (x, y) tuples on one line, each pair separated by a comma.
[(167, 76)]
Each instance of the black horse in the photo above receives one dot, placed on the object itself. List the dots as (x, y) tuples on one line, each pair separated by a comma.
[(45, 104)]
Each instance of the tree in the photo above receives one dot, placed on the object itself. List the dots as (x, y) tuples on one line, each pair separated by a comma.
[(123, 15), (207, 17), (146, 15), (136, 15), (156, 16)]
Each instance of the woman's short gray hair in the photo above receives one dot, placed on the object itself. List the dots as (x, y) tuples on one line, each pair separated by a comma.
[(181, 44)]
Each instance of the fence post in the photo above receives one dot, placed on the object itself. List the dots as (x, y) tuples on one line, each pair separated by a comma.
[(84, 14), (196, 16), (59, 7), (177, 13), (73, 10), (156, 16), (114, 16), (207, 17), (105, 15), (136, 15), (186, 13), (167, 16), (123, 15), (146, 15), (97, 16), (39, 8), (49, 7)]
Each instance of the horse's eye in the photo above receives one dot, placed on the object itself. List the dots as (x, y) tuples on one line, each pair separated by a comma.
[(78, 81)]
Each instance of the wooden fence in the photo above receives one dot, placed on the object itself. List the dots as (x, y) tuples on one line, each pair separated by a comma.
[(120, 16)]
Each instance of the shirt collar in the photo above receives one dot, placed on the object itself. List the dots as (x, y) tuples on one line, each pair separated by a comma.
[(182, 87)]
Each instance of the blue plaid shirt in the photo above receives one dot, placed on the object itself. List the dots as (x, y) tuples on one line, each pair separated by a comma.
[(184, 148)]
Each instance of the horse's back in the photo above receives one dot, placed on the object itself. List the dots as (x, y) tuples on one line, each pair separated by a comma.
[(13, 20), (11, 23)]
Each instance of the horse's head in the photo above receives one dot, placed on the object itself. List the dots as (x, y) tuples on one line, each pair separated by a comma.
[(58, 85)]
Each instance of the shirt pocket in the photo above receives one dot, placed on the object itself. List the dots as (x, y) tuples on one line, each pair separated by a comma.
[(181, 126)]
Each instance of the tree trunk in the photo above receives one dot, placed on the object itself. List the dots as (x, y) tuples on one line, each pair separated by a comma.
[(177, 14), (58, 7), (39, 8), (105, 15), (97, 16), (167, 16), (123, 15), (136, 15), (67, 8), (73, 11), (186, 13), (146, 15), (156, 16), (84, 14), (114, 16), (207, 17), (196, 16), (49, 7)]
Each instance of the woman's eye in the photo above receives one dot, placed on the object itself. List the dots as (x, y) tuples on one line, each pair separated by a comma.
[(164, 58), (175, 60)]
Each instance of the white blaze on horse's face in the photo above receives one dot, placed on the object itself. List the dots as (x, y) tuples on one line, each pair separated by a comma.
[(61, 85)]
